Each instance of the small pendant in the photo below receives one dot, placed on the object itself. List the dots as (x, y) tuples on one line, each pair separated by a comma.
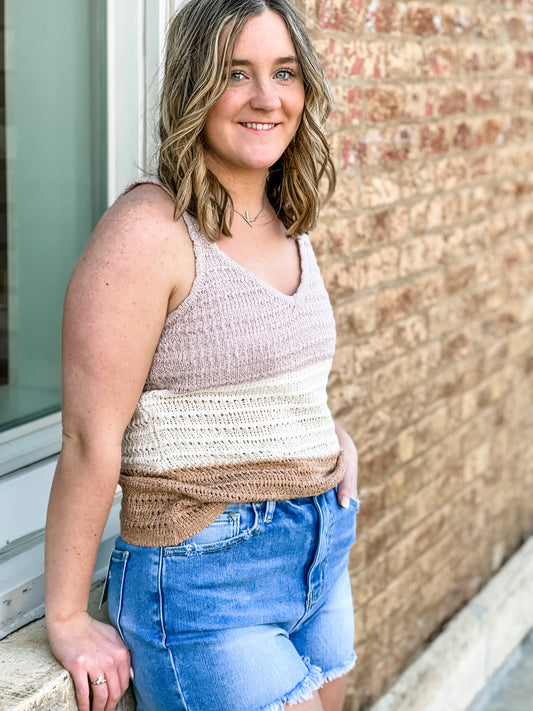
[(249, 220)]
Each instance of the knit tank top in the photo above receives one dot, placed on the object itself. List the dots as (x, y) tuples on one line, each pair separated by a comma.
[(234, 408)]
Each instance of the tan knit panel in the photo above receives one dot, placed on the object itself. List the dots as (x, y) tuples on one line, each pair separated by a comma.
[(165, 509)]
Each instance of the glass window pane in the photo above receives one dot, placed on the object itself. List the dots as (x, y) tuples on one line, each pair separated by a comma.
[(52, 185)]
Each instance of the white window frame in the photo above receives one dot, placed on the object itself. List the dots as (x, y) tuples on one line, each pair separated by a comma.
[(28, 453), (135, 50)]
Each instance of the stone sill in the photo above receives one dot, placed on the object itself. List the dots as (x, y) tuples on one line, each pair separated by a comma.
[(30, 677), (460, 663)]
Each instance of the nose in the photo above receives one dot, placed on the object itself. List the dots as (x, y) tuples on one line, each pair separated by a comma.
[(265, 96)]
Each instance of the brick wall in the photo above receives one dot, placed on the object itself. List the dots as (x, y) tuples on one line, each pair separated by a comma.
[(427, 252)]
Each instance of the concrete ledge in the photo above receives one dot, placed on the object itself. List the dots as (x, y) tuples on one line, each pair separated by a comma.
[(460, 662), (30, 677)]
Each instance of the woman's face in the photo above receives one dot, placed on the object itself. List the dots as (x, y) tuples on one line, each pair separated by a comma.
[(253, 122)]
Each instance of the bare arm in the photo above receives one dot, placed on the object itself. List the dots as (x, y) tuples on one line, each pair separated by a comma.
[(115, 307), (348, 486)]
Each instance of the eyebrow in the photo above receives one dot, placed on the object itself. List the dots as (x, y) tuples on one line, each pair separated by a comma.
[(281, 60)]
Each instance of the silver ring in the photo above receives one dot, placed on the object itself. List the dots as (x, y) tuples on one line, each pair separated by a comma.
[(100, 680)]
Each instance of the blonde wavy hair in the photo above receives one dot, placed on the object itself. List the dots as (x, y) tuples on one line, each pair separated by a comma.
[(196, 75)]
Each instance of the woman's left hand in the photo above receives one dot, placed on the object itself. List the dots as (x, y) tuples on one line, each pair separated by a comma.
[(347, 488)]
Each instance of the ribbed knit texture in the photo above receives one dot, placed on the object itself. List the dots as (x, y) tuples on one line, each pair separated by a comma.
[(234, 408)]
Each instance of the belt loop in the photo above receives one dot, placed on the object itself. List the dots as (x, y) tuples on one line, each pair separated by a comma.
[(269, 511)]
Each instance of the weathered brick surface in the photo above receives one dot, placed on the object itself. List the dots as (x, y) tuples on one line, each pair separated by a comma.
[(427, 252)]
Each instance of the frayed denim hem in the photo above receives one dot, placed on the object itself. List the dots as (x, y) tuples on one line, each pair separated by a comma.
[(302, 691), (339, 671), (314, 680)]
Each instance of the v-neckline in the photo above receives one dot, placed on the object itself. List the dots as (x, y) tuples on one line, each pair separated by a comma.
[(263, 282)]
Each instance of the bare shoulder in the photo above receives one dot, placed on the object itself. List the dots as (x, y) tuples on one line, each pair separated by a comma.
[(138, 235), (143, 217)]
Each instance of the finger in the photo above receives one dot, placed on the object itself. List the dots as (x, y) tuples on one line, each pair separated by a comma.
[(99, 692), (347, 489), (343, 497), (81, 684), (344, 492), (114, 691), (125, 672)]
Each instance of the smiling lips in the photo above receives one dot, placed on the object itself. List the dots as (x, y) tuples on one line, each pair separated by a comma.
[(259, 126)]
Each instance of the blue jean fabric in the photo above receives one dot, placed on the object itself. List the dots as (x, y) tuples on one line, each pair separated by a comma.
[(252, 613)]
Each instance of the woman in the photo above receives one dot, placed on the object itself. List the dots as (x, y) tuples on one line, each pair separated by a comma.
[(197, 343)]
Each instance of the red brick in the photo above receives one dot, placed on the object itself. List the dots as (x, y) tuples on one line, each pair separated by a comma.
[(348, 399), (384, 103), (383, 535), (379, 267), (523, 61), (455, 208), (428, 253), (328, 49), (464, 136), (423, 20), (404, 59), (451, 173), (357, 317), (341, 279), (459, 277), (380, 190), (420, 100), (487, 96), (354, 56), (440, 61), (411, 546), (370, 581), (515, 26), (456, 21), (487, 26), (420, 254), (343, 15), (426, 215), (348, 106), (452, 100), (349, 150), (482, 166), (385, 16), (434, 139), (418, 179)]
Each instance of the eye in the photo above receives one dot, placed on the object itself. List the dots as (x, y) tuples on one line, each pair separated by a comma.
[(285, 74), (236, 76)]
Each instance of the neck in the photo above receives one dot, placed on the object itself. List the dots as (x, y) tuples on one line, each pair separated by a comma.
[(246, 188)]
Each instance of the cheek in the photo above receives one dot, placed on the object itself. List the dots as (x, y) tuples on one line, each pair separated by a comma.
[(298, 103)]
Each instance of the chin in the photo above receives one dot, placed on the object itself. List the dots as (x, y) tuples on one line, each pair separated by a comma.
[(262, 162)]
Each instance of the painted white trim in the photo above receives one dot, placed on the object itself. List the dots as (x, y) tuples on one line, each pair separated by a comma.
[(22, 573), (23, 497), (125, 50), (136, 32), (29, 443), (111, 103)]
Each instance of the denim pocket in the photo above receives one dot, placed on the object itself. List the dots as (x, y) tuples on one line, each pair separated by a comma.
[(347, 518), (236, 524), (354, 504), (115, 587)]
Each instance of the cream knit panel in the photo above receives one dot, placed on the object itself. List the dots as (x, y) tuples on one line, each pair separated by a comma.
[(273, 419)]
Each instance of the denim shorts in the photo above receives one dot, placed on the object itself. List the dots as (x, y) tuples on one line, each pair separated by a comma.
[(252, 613)]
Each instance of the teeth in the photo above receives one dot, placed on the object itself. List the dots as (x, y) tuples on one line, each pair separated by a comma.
[(260, 126)]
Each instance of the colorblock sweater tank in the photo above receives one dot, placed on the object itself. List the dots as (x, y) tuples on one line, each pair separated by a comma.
[(234, 408)]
